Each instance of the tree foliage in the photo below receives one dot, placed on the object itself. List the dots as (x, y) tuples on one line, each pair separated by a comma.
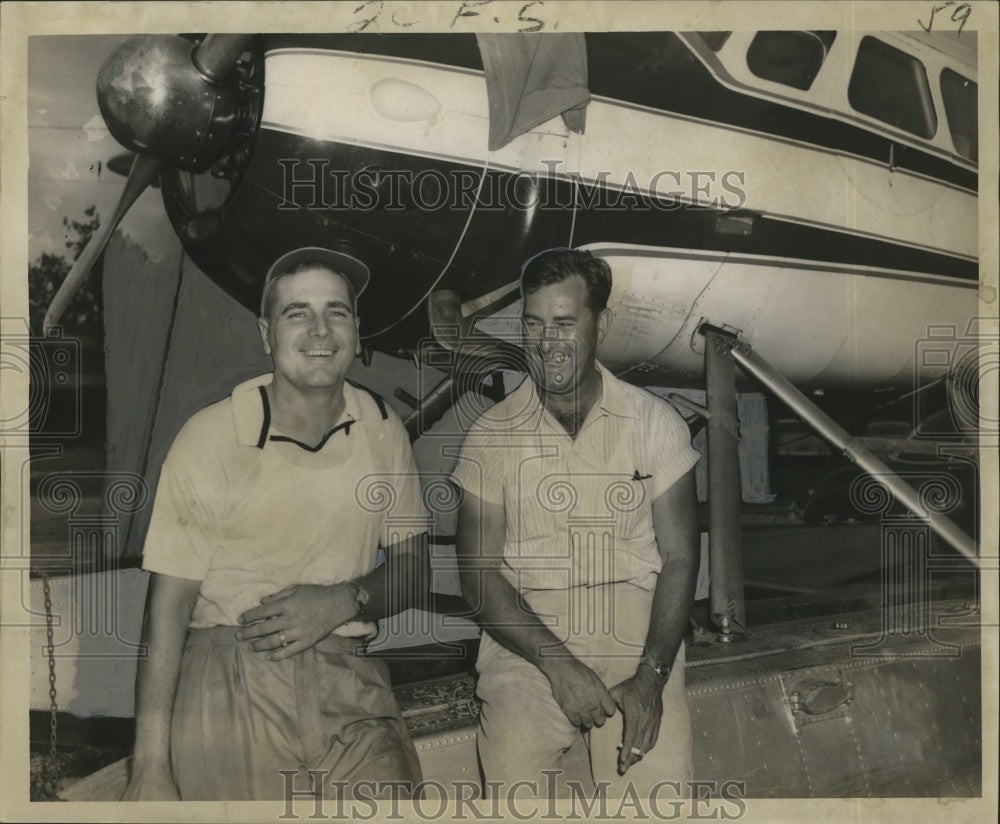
[(84, 315)]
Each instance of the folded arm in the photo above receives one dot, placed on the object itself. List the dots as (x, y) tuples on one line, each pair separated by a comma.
[(303, 614)]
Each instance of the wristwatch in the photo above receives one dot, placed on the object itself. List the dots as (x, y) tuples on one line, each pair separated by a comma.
[(362, 596), (662, 670)]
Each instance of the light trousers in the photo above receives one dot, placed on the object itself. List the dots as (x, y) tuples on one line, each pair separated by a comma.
[(523, 731), (239, 719)]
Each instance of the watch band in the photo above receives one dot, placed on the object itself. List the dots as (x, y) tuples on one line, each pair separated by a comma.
[(662, 670), (362, 597)]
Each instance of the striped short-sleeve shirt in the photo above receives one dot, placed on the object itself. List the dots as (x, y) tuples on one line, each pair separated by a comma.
[(578, 511)]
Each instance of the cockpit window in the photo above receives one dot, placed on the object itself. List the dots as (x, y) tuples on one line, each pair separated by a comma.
[(792, 58), (962, 110), (891, 85)]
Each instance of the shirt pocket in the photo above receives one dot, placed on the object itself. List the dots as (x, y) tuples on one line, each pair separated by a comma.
[(629, 499), (624, 494)]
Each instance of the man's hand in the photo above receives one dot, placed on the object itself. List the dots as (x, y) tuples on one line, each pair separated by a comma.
[(151, 785), (294, 619), (580, 693), (640, 699)]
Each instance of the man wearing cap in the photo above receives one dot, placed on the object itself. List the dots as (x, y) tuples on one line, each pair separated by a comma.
[(269, 513), (578, 551)]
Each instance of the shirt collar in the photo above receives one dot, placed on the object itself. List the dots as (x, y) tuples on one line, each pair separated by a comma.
[(252, 414), (613, 400)]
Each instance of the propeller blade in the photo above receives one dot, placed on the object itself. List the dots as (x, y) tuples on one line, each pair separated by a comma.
[(144, 171), (217, 54), (121, 164)]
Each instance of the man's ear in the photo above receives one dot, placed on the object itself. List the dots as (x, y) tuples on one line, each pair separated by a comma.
[(357, 342), (263, 326), (603, 323)]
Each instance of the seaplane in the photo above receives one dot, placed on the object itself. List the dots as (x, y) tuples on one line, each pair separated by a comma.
[(792, 210)]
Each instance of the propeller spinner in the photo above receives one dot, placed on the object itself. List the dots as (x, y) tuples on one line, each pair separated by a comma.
[(171, 102)]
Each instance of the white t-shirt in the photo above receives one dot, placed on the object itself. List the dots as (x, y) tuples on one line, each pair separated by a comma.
[(247, 511)]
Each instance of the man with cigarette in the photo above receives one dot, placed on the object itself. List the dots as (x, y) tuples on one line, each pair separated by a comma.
[(578, 551)]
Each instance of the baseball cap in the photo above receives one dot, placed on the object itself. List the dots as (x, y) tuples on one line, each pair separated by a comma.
[(350, 267)]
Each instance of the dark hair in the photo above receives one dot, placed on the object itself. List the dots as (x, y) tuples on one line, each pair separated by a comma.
[(269, 295), (556, 265)]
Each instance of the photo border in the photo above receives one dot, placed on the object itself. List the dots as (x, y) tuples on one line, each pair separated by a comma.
[(19, 21)]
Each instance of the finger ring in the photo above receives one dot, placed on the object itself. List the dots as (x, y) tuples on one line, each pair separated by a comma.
[(637, 751), (282, 639)]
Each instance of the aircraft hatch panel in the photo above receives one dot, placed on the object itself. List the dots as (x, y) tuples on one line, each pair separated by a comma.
[(847, 707)]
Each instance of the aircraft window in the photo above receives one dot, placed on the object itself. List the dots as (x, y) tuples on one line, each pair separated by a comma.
[(792, 58), (715, 39), (892, 86), (962, 110)]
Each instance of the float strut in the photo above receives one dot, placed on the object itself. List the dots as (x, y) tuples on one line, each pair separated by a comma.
[(725, 548), (855, 449)]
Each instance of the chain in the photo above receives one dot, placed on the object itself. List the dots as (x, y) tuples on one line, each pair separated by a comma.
[(45, 776), (50, 651)]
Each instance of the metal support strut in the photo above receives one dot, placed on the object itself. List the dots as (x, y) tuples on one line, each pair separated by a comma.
[(725, 548), (854, 449)]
